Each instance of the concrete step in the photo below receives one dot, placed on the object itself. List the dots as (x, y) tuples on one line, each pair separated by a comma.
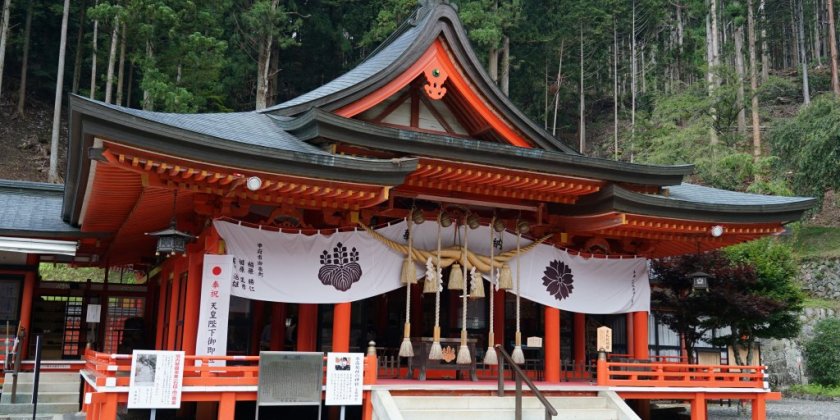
[(28, 377), (43, 397), (490, 402), (46, 386), (46, 408), (507, 414)]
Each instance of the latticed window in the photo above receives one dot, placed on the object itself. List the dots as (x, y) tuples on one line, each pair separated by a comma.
[(118, 332)]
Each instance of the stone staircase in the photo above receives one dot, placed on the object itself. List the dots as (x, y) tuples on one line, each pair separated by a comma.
[(604, 406), (58, 394)]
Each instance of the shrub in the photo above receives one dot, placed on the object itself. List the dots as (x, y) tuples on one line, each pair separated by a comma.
[(822, 353), (778, 89)]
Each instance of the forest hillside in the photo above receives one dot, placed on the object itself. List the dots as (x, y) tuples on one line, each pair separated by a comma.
[(745, 90)]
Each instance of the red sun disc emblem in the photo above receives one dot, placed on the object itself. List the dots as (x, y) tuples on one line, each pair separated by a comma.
[(217, 270)]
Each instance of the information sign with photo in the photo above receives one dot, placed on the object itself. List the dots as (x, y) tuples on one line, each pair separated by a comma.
[(344, 378), (156, 379)]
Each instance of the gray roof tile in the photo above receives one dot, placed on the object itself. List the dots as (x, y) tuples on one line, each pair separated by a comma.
[(701, 194), (32, 207), (252, 128)]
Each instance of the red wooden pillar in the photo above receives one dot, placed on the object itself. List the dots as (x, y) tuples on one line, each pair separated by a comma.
[(163, 280), (698, 407), (640, 335), (257, 317), (174, 298), (278, 326), (579, 328), (341, 327), (192, 300), (307, 327), (26, 310), (759, 408), (630, 336), (499, 318), (552, 344)]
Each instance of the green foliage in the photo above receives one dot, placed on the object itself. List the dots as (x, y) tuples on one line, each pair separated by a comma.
[(778, 89), (809, 146), (751, 292), (814, 389), (822, 353), (814, 242), (391, 14)]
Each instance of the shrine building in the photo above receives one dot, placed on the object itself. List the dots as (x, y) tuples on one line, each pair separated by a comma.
[(321, 204)]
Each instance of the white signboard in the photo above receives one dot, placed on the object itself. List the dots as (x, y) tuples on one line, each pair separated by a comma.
[(604, 342), (157, 377), (215, 303), (344, 378), (94, 313)]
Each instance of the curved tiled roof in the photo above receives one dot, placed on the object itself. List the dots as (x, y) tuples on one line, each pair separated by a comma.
[(32, 209), (698, 193), (250, 128)]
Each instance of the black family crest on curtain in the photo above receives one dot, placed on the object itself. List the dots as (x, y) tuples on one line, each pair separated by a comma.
[(341, 268), (558, 280)]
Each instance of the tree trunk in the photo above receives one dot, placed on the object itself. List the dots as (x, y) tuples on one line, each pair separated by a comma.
[(832, 43), (765, 51), (93, 58), (112, 59), (615, 89), (633, 82), (264, 64), (739, 70), (147, 96), (753, 82), (582, 128), (817, 38), (27, 31), (493, 64), (710, 75), (803, 57), (4, 35), (274, 80), (121, 71), (59, 87), (557, 93), (794, 50), (77, 61), (504, 77)]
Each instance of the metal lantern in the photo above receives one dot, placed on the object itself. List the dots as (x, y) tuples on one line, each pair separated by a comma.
[(171, 241), (699, 280)]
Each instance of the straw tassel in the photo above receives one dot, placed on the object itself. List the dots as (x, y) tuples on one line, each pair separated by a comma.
[(505, 278), (464, 350), (409, 272), (409, 277), (518, 356), (476, 284), (490, 357), (432, 283), (456, 278), (436, 352), (406, 349)]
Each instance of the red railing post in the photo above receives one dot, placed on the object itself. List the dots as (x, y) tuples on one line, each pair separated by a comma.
[(601, 369), (227, 406)]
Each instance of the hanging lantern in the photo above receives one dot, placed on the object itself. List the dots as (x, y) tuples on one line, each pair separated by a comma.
[(171, 241), (699, 280)]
